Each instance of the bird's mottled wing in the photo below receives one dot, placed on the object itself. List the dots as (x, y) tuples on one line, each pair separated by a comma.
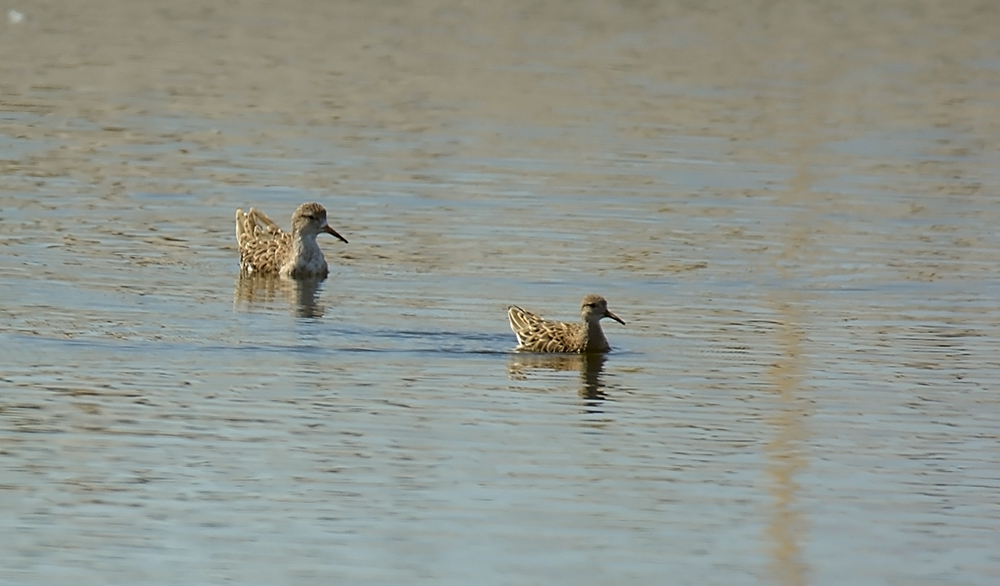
[(541, 335), (259, 240)]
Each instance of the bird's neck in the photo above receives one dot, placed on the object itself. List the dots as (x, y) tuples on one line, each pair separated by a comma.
[(306, 255), (304, 243), (594, 339)]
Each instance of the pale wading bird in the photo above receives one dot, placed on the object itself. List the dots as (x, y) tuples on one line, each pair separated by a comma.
[(536, 334), (266, 250)]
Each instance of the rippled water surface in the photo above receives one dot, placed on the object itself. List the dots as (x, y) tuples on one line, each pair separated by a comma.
[(794, 206)]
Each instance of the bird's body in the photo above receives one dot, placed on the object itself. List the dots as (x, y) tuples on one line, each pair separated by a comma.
[(536, 334), (266, 249)]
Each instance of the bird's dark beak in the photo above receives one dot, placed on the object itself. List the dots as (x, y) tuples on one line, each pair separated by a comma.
[(330, 230), (614, 317)]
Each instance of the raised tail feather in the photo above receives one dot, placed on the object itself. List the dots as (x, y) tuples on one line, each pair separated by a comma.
[(519, 319)]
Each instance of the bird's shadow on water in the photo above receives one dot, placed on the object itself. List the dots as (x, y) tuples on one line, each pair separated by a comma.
[(590, 366), (301, 294)]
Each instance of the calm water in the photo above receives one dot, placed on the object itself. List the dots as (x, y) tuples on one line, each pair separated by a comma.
[(794, 207)]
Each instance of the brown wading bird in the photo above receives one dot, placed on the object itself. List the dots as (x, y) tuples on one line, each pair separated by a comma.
[(535, 334), (265, 249)]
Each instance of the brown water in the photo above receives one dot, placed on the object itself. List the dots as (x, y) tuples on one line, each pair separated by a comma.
[(794, 205)]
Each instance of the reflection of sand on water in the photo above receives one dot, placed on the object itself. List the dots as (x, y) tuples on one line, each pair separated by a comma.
[(301, 294), (787, 530), (590, 367)]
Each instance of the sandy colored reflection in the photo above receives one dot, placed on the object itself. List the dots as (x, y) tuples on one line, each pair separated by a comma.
[(590, 366), (300, 294)]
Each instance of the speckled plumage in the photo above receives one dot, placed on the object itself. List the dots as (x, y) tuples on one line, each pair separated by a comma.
[(266, 249), (536, 334)]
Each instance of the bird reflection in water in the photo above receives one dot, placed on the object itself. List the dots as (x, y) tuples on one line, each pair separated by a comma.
[(590, 367), (302, 294)]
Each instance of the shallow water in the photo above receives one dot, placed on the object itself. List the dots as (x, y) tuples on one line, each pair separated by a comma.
[(794, 207)]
